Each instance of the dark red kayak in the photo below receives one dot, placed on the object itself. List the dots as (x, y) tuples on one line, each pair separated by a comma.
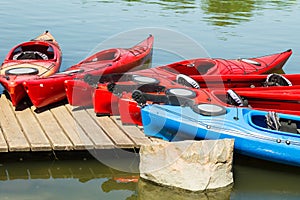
[(280, 102), (45, 91), (275, 92), (40, 57)]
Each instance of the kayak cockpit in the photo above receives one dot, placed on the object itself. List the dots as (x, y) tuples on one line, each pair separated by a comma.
[(203, 65), (107, 55), (192, 67), (32, 51), (274, 122)]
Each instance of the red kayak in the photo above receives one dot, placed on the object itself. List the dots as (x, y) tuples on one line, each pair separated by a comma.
[(217, 66), (194, 67), (209, 66), (40, 57), (45, 91), (116, 98), (126, 82), (129, 105)]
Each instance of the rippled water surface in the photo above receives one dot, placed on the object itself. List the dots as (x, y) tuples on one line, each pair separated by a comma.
[(182, 29)]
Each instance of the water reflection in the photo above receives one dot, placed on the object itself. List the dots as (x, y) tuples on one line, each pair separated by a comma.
[(218, 13), (258, 178), (122, 183), (231, 12), (252, 178), (82, 170), (179, 6), (276, 5), (224, 12), (150, 191), (49, 175), (82, 177), (172, 4)]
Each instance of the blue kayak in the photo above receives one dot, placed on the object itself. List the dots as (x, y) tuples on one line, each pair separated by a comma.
[(264, 135)]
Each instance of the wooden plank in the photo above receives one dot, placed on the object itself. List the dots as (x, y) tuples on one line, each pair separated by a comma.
[(113, 131), (57, 137), (3, 144), (73, 131), (133, 132), (12, 131), (33, 131), (92, 129)]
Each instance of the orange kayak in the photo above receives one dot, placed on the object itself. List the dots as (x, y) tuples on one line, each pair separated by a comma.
[(40, 57)]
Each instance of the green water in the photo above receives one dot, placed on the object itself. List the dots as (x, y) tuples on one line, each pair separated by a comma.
[(80, 176), (182, 29)]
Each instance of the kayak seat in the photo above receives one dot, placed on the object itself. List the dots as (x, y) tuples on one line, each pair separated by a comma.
[(111, 55), (33, 51), (194, 67), (187, 69), (204, 66), (288, 126), (277, 80), (187, 81), (232, 98), (27, 55), (108, 56), (285, 125)]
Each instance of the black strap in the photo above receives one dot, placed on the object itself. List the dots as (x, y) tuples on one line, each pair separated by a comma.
[(141, 98)]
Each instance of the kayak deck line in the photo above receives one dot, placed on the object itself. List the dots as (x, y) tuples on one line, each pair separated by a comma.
[(63, 128)]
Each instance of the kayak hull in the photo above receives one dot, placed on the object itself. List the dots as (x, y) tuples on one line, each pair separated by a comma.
[(247, 127)]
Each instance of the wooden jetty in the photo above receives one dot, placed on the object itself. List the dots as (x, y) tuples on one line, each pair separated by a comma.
[(63, 128)]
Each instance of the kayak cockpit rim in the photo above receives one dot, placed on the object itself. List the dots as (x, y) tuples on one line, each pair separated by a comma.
[(257, 119), (106, 55), (33, 50), (198, 66)]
